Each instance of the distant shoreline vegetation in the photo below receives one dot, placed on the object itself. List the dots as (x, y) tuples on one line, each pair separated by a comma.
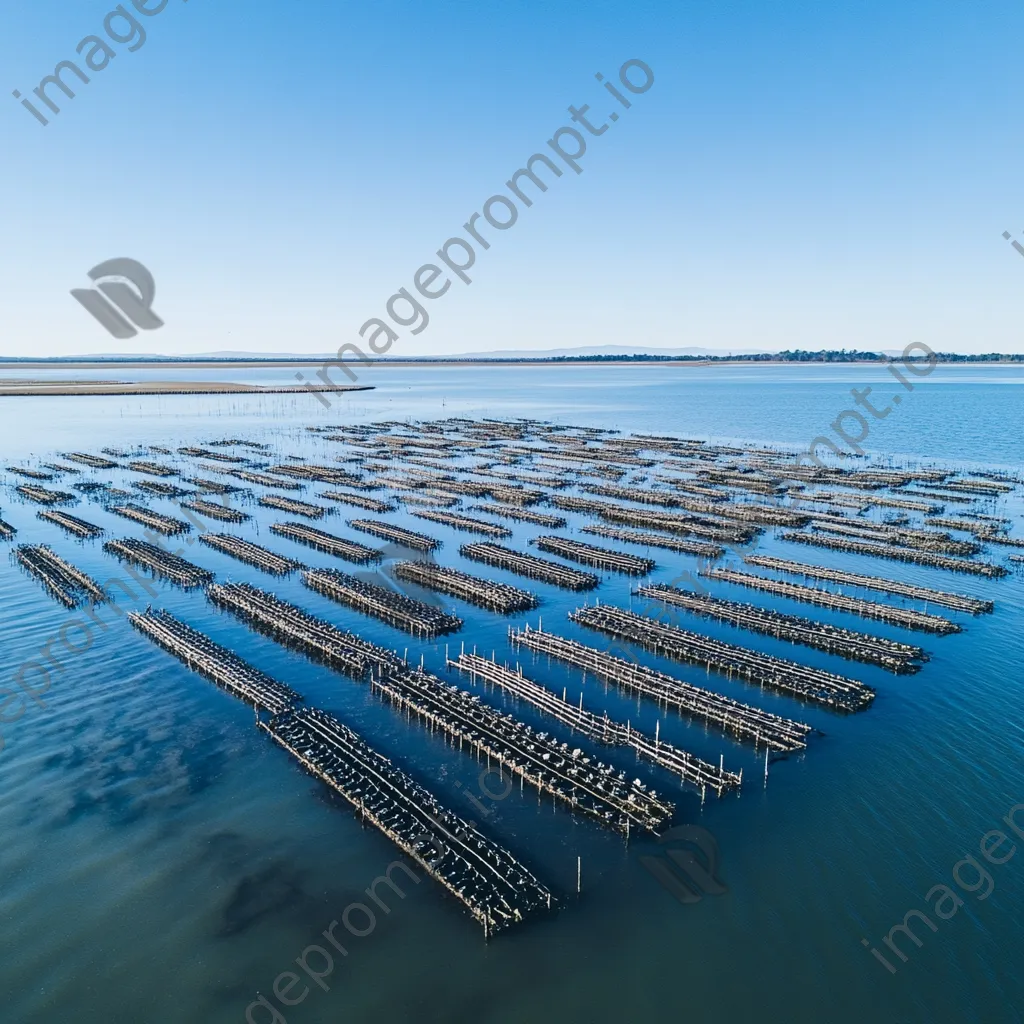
[(786, 356), (795, 356)]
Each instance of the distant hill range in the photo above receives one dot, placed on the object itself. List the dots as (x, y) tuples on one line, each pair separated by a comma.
[(588, 354)]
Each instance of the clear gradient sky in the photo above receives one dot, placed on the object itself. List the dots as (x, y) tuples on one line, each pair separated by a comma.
[(800, 175)]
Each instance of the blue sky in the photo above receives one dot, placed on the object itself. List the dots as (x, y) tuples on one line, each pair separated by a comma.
[(799, 175)]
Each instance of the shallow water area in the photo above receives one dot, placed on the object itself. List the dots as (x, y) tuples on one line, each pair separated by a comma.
[(165, 862)]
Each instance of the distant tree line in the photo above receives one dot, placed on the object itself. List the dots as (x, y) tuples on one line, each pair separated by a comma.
[(786, 356)]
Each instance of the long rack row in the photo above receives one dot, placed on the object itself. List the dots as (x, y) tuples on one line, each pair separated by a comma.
[(154, 520), (893, 655), (922, 540), (905, 617), (703, 549), (65, 582), (763, 515), (94, 461), (294, 627), (600, 728), (44, 495), (74, 525), (644, 496), (164, 563), (496, 889), (152, 468), (521, 514), (569, 775), (264, 479), (205, 453), (958, 602), (395, 534), (160, 489), (309, 471), (671, 522), (810, 684), (467, 524), (253, 554), (31, 474), (203, 655), (211, 486), (424, 499), (980, 526), (214, 511), (530, 565), (862, 500), (963, 565), (359, 501), (591, 554), (297, 508), (396, 609), (350, 550), (744, 721), (499, 597)]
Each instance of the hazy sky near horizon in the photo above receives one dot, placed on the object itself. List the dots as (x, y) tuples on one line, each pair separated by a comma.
[(799, 175)]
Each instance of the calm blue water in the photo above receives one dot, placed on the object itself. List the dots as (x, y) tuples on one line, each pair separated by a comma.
[(163, 862)]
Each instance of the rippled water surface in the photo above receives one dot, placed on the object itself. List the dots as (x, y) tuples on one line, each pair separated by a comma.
[(163, 861)]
